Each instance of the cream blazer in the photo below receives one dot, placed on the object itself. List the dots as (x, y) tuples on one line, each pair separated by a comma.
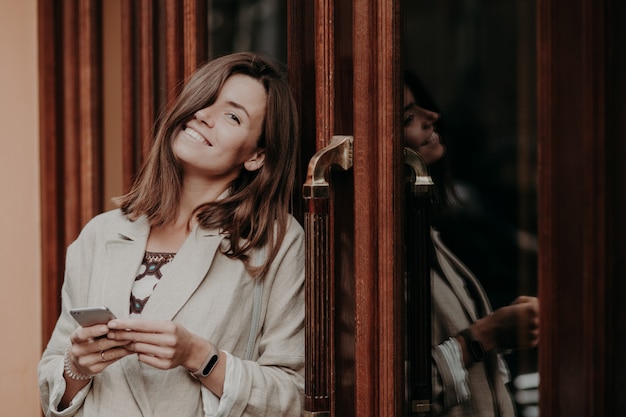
[(458, 301), (210, 295)]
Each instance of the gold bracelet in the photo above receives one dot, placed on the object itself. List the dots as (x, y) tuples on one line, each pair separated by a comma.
[(69, 368)]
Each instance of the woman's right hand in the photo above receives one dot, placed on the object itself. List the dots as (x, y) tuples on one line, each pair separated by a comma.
[(89, 353), (515, 326)]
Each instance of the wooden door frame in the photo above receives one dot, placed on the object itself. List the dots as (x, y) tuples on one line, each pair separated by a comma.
[(582, 184), (581, 176)]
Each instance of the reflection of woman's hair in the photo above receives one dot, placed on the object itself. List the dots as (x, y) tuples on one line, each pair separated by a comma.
[(439, 170), (256, 210)]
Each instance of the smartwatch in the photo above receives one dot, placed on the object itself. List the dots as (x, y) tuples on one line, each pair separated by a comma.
[(208, 365), (475, 348)]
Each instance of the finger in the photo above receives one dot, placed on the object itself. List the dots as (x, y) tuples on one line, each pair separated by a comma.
[(101, 360), (524, 299), (86, 334), (144, 326), (114, 354), (155, 361), (106, 344), (131, 336), (157, 351)]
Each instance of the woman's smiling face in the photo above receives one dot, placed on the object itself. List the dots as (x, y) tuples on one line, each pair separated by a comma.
[(222, 139), (419, 130)]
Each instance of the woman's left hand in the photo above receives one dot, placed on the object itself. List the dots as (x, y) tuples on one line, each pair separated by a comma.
[(162, 344)]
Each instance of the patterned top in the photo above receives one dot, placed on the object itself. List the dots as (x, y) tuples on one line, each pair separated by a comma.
[(150, 272)]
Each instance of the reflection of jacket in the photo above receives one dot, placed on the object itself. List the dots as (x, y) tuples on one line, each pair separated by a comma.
[(210, 295), (454, 310)]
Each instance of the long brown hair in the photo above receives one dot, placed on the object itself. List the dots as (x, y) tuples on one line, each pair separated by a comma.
[(256, 210), (445, 194)]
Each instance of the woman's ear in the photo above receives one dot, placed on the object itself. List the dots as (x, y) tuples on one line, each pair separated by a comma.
[(256, 161)]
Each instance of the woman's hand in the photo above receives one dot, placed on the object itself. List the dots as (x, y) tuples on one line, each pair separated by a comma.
[(91, 352), (515, 326), (162, 344)]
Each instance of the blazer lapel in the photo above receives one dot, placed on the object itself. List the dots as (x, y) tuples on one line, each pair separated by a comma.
[(451, 267), (123, 255), (184, 275)]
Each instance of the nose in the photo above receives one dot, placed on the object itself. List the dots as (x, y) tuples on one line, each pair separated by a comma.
[(204, 116), (430, 118)]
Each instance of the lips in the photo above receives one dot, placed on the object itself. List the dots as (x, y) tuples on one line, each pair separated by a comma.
[(196, 136), (434, 137)]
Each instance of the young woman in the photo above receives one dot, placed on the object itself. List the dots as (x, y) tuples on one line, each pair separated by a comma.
[(202, 265), (469, 375)]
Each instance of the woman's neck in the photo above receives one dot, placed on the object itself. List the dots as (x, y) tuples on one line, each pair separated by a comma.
[(170, 237)]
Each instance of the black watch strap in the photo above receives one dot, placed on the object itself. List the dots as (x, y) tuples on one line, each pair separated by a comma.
[(208, 364), (474, 347)]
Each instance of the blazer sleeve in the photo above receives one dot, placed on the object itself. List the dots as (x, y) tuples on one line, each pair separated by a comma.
[(73, 293), (273, 385)]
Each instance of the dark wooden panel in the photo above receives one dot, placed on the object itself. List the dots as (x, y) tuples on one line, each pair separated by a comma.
[(572, 204), (377, 185), (195, 35), (70, 94), (300, 70), (90, 111), (616, 207), (50, 129), (70, 138), (174, 47), (138, 85)]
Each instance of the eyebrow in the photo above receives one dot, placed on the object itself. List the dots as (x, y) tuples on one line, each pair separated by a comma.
[(238, 106), (409, 106)]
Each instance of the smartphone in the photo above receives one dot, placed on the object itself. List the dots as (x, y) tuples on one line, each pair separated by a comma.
[(88, 316)]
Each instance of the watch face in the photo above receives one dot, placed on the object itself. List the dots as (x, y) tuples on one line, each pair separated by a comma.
[(478, 352), (209, 366)]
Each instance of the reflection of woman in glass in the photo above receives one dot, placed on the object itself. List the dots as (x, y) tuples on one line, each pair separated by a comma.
[(469, 375)]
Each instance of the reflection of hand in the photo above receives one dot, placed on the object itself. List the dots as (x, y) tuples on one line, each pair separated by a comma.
[(515, 326), (162, 344), (90, 353)]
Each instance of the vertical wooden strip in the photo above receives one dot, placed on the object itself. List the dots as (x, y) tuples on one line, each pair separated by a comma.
[(549, 395), (615, 225), (318, 323), (145, 72), (50, 128), (71, 122), (594, 118), (195, 35), (324, 128), (301, 69), (129, 92), (572, 197), (90, 108), (377, 179), (324, 71), (174, 47), (366, 229)]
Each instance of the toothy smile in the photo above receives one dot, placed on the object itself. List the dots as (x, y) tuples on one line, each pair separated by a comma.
[(196, 136), (434, 137)]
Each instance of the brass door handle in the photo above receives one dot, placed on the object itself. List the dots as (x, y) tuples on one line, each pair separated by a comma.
[(338, 152), (319, 320), (421, 182)]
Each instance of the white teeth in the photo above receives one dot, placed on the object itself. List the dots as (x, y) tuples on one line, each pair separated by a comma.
[(432, 138), (196, 136)]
